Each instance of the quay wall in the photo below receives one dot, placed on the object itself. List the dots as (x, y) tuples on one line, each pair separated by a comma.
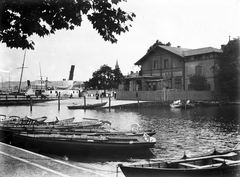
[(165, 95)]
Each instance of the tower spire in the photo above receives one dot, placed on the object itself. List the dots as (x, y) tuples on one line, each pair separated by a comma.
[(117, 66)]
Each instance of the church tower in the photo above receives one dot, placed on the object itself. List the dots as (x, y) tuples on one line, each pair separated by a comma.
[(116, 65)]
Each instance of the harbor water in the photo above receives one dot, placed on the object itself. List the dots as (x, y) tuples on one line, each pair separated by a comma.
[(194, 131)]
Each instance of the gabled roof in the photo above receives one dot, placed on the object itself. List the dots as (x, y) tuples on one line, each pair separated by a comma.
[(182, 52), (175, 50), (201, 51)]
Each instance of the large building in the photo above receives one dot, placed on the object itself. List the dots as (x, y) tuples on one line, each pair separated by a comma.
[(166, 67)]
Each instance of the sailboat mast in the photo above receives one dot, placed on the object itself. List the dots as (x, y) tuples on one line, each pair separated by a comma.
[(21, 72), (40, 76)]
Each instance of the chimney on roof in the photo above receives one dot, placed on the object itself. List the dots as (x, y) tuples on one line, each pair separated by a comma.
[(222, 47)]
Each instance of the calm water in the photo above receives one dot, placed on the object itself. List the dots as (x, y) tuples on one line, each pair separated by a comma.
[(193, 131)]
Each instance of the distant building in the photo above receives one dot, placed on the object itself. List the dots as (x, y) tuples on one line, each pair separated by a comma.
[(166, 67)]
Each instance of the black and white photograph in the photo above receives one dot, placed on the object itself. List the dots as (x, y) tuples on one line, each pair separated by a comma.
[(120, 88)]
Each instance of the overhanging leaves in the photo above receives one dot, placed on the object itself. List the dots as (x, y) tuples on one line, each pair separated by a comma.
[(20, 19)]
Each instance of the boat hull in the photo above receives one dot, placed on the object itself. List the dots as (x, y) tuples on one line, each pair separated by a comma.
[(78, 146), (20, 102), (89, 106), (227, 171)]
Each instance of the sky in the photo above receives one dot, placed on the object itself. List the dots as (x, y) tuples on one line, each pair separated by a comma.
[(186, 23)]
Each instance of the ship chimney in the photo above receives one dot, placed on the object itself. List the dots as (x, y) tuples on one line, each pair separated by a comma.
[(28, 83), (71, 73)]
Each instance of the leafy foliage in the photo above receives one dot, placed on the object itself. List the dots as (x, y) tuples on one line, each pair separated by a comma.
[(118, 78), (105, 78), (19, 19), (158, 43), (229, 72), (198, 82)]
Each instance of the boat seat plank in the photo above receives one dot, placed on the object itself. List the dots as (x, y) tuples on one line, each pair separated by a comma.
[(222, 160), (201, 167), (189, 165), (233, 162), (211, 165)]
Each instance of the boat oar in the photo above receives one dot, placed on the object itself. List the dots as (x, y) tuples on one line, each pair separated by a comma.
[(90, 119), (230, 154)]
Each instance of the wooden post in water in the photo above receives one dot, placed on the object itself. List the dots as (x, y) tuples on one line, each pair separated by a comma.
[(59, 95), (137, 98), (109, 101), (31, 102), (84, 101)]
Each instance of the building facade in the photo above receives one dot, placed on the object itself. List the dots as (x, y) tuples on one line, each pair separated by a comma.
[(166, 67)]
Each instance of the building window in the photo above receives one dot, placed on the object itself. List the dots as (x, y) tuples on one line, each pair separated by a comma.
[(178, 82), (207, 55), (155, 64), (199, 70), (197, 57), (166, 63)]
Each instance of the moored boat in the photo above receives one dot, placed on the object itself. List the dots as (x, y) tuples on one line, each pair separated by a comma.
[(176, 104), (179, 104), (61, 122), (220, 165), (39, 119), (99, 145), (11, 100), (88, 106)]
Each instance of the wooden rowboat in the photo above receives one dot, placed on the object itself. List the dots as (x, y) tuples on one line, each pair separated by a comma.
[(88, 106), (99, 145), (61, 122), (222, 165), (39, 119)]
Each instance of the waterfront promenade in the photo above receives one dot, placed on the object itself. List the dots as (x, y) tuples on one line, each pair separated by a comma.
[(17, 162)]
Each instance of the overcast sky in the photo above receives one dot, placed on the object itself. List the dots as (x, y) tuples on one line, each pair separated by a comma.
[(186, 23)]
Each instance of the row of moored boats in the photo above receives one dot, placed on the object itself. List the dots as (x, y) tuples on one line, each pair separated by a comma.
[(70, 136)]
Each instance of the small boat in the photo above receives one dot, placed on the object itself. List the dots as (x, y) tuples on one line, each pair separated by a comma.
[(39, 119), (88, 106), (5, 119), (25, 121), (221, 165), (61, 122), (2, 117), (176, 104), (99, 145), (179, 104)]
